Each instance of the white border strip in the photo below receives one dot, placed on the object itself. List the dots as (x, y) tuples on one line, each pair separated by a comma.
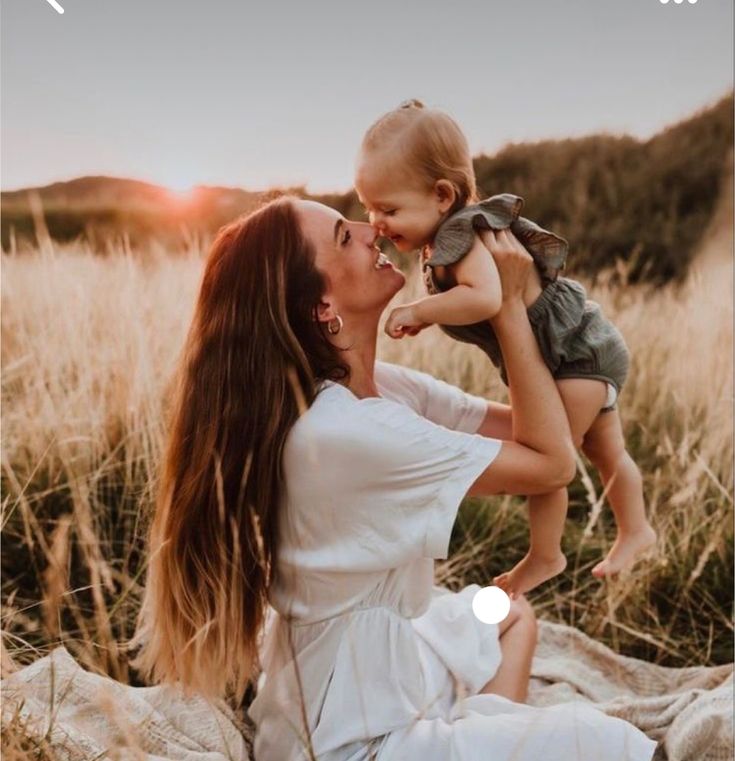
[(55, 6)]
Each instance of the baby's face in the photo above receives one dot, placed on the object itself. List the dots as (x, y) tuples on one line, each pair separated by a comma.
[(403, 211)]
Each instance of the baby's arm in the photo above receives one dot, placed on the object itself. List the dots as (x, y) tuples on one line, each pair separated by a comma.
[(476, 297)]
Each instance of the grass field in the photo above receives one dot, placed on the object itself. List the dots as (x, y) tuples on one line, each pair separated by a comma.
[(88, 347)]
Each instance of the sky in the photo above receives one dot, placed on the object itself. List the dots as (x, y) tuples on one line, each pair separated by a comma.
[(238, 93)]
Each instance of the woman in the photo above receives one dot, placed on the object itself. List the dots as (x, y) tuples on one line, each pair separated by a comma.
[(302, 473)]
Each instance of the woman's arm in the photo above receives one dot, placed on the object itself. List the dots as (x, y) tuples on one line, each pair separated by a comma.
[(498, 422), (475, 297), (541, 456)]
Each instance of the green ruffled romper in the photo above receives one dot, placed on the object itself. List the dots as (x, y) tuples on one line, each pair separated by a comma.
[(575, 338)]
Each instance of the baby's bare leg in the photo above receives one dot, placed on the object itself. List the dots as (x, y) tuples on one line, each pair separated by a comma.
[(605, 446), (583, 400), (544, 559)]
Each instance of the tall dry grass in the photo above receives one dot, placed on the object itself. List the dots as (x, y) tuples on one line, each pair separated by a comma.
[(88, 346)]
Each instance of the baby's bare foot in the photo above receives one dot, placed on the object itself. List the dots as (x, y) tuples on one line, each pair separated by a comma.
[(529, 573), (626, 548)]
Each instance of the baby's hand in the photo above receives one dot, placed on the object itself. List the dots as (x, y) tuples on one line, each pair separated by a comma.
[(403, 321)]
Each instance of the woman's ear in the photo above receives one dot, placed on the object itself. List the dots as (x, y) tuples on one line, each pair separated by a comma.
[(446, 195), (324, 312)]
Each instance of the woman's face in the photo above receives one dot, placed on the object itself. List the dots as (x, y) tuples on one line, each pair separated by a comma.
[(360, 279)]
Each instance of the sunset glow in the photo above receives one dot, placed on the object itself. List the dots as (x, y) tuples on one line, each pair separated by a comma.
[(181, 192)]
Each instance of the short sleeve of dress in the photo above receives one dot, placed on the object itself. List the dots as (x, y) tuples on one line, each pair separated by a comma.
[(387, 482), (440, 402)]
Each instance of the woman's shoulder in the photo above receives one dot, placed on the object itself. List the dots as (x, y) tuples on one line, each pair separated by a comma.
[(336, 410), (408, 398), (403, 385), (434, 399), (338, 422), (396, 384), (405, 394)]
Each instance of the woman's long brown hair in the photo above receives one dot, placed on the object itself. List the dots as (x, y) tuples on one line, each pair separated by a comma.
[(252, 360)]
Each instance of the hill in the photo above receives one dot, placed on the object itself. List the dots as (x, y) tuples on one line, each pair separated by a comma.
[(647, 203)]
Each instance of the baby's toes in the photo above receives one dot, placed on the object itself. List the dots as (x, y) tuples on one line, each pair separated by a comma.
[(502, 581)]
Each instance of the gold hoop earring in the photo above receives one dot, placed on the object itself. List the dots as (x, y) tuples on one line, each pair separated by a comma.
[(330, 327)]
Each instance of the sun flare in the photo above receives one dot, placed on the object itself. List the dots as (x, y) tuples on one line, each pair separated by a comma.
[(181, 191)]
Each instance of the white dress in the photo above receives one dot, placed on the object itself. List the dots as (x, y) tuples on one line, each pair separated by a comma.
[(364, 658)]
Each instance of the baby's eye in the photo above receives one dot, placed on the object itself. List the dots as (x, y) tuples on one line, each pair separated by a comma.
[(390, 212)]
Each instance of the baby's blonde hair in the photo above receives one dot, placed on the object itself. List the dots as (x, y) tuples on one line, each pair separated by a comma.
[(426, 144)]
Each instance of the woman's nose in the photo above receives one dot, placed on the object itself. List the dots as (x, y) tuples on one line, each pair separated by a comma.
[(371, 232)]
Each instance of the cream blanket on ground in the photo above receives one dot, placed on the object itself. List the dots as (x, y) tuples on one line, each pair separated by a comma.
[(688, 710)]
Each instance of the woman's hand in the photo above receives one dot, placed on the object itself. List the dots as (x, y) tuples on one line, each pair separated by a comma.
[(512, 260), (403, 321)]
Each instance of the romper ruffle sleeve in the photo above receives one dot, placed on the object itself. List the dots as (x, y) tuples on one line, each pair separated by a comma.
[(454, 238)]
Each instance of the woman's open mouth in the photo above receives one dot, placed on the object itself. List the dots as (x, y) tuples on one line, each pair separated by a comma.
[(382, 261)]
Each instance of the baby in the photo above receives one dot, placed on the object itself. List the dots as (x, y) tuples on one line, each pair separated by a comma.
[(416, 180)]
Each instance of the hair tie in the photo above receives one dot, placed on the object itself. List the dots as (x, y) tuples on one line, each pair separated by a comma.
[(411, 103)]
